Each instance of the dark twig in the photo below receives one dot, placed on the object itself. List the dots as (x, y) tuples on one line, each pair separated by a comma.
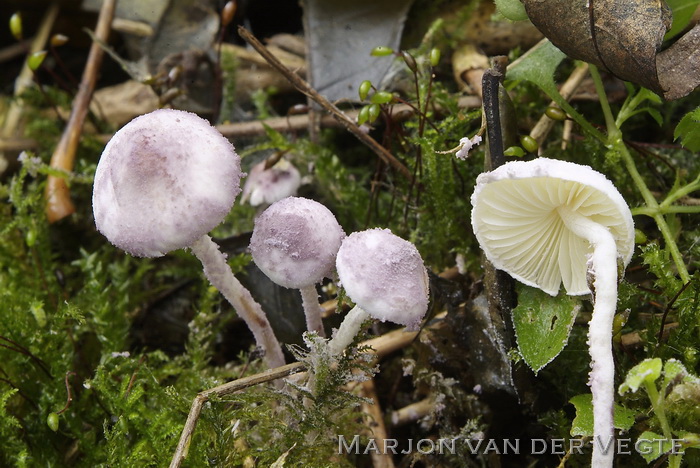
[(344, 120), (69, 399), (22, 350), (668, 309)]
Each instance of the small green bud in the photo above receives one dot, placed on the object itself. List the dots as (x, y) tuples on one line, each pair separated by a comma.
[(363, 115), (36, 59), (382, 97), (529, 143), (52, 420), (640, 237), (373, 112), (30, 238), (434, 57), (514, 151), (555, 113), (364, 89), (381, 51), (16, 25)]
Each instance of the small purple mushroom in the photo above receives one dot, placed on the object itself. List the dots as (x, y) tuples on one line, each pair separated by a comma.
[(163, 182), (295, 242), (384, 275)]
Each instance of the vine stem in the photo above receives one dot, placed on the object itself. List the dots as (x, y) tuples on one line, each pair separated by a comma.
[(657, 403), (615, 143)]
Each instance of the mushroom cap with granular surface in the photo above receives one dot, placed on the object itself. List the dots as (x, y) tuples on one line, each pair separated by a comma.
[(295, 241), (164, 180), (385, 276), (516, 219)]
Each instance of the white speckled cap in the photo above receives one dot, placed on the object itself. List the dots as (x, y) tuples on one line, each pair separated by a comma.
[(295, 242), (385, 276), (516, 221), (164, 180)]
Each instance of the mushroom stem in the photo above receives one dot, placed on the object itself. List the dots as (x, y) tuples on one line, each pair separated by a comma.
[(601, 378), (352, 323), (312, 309), (220, 275)]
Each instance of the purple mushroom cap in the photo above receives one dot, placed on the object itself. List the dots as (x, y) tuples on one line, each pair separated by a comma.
[(385, 276), (163, 181), (295, 242)]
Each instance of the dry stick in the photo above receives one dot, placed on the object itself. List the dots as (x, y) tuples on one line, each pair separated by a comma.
[(58, 202), (24, 80), (382, 346), (413, 412), (380, 458), (542, 128), (292, 123), (344, 120)]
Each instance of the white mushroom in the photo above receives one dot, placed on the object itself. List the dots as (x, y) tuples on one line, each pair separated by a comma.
[(163, 182), (384, 275), (268, 185), (548, 222), (295, 242)]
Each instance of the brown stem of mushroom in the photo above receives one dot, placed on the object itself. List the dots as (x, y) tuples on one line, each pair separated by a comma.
[(312, 310), (58, 202), (220, 275)]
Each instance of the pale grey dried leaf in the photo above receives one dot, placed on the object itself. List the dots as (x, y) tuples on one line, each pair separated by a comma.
[(340, 36)]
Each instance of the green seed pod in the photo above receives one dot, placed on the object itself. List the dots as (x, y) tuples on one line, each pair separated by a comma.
[(30, 238), (364, 89), (363, 115), (373, 112), (555, 113), (52, 420), (36, 59), (381, 51), (514, 151), (382, 97), (16, 25), (434, 57), (640, 237), (529, 143)]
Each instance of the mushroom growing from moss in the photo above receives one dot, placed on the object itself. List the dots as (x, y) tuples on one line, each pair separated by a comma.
[(163, 182), (548, 222), (295, 242), (385, 277)]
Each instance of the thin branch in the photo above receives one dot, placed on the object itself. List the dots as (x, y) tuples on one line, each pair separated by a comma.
[(382, 346), (58, 202), (344, 120)]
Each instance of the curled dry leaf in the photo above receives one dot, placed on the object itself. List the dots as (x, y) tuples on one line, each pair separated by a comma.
[(624, 38)]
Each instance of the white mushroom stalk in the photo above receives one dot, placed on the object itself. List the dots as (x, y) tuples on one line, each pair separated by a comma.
[(295, 242), (384, 275), (163, 182), (548, 222)]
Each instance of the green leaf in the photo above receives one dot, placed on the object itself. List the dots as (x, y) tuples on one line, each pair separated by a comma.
[(646, 371), (542, 325), (682, 13), (514, 10), (651, 445), (582, 425), (688, 130)]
